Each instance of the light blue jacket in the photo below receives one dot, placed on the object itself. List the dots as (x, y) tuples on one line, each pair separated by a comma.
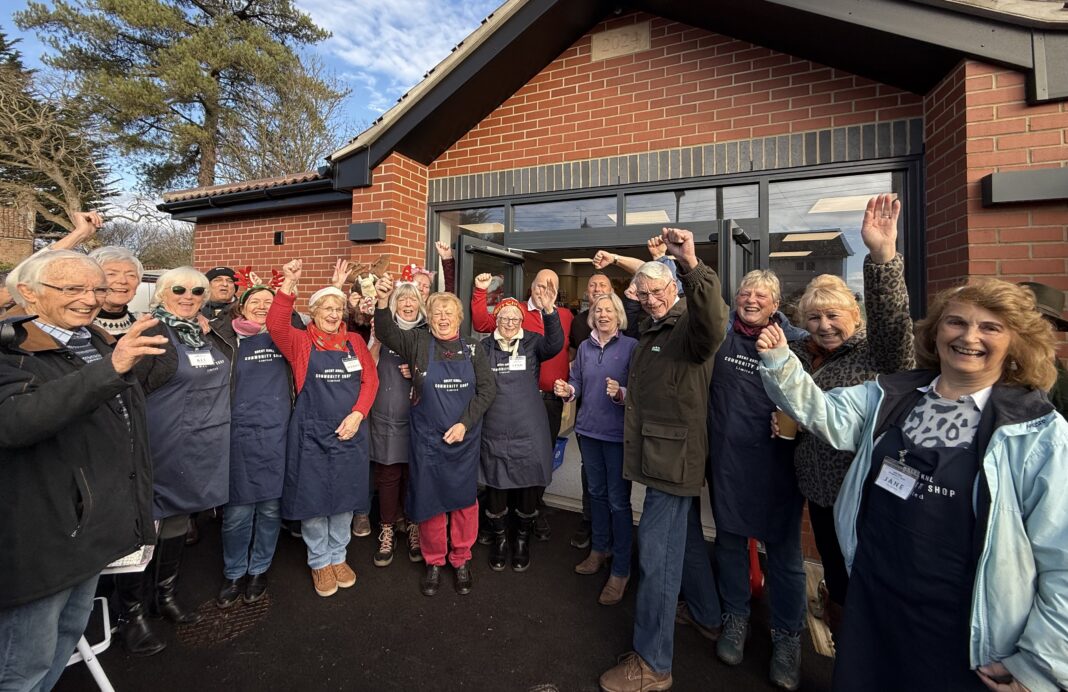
[(1019, 613)]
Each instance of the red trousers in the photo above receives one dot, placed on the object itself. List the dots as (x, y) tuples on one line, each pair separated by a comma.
[(461, 526)]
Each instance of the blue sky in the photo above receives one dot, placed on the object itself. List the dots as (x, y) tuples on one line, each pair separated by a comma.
[(379, 48)]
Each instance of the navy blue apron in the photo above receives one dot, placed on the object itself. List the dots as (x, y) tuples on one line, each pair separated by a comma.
[(515, 431), (907, 613), (752, 480), (189, 433), (325, 475), (391, 411), (443, 477), (258, 422)]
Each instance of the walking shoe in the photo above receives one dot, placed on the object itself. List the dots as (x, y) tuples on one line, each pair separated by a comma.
[(632, 674), (581, 538), (485, 537), (463, 579), (612, 593), (731, 645), (256, 588), (324, 580), (431, 580), (344, 575), (361, 525), (785, 659), (683, 616), (593, 563), (384, 556), (415, 553), (230, 593)]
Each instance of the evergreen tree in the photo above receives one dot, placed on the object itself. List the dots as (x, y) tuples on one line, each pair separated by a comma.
[(170, 77)]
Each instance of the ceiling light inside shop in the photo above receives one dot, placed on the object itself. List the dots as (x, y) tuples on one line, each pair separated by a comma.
[(577, 260), (810, 237), (829, 205), (792, 253), (492, 227), (635, 218)]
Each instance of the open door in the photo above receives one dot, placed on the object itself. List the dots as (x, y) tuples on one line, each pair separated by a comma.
[(475, 256), (739, 242)]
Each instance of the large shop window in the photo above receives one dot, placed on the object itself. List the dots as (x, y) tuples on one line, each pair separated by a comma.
[(698, 204), (814, 229)]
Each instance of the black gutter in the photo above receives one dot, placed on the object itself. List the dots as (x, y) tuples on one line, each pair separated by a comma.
[(316, 192)]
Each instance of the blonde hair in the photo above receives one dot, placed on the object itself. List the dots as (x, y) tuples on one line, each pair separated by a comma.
[(187, 276), (825, 292), (1029, 362), (621, 314), (762, 277), (444, 297), (406, 289)]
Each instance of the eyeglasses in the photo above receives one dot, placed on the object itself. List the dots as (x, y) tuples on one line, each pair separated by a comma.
[(180, 290), (78, 291), (331, 311), (655, 293), (510, 320)]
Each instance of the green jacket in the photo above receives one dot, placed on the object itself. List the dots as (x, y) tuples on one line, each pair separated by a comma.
[(665, 438)]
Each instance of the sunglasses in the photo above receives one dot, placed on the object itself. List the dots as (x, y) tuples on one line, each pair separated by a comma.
[(179, 290)]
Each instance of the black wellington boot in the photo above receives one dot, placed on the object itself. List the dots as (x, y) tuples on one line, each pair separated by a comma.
[(134, 631), (169, 557), (499, 546), (521, 549)]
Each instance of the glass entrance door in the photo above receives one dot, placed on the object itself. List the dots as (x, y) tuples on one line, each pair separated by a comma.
[(475, 256)]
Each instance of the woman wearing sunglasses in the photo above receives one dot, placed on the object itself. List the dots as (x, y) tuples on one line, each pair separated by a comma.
[(188, 400)]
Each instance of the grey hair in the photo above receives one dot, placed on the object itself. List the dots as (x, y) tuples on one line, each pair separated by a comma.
[(654, 270), (114, 253), (621, 314), (762, 277), (31, 269), (406, 288), (178, 275)]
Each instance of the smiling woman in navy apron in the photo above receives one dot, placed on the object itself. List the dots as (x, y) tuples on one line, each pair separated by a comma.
[(516, 456), (951, 517), (262, 398), (453, 387), (188, 411), (327, 467), (390, 417)]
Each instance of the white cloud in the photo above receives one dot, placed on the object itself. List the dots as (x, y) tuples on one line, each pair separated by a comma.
[(384, 47)]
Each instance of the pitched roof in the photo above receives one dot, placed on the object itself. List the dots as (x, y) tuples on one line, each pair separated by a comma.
[(243, 186)]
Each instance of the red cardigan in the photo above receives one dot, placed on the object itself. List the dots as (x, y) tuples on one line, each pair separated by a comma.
[(296, 345)]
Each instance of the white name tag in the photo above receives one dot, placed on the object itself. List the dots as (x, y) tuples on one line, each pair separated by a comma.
[(517, 363), (201, 359), (351, 364), (897, 477)]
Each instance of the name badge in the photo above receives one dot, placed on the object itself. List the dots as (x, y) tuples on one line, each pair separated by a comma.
[(517, 363), (351, 364), (897, 477), (201, 359)]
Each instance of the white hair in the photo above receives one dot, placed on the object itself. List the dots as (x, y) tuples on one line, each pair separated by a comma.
[(654, 270), (31, 269), (621, 314), (114, 253), (187, 276)]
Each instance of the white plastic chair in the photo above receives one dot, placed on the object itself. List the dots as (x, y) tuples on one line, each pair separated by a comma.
[(87, 652)]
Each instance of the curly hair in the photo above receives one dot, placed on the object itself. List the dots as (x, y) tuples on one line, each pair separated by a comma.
[(1029, 362), (762, 278), (448, 298), (825, 292)]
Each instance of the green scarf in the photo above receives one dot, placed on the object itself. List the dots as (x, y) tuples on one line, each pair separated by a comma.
[(189, 332)]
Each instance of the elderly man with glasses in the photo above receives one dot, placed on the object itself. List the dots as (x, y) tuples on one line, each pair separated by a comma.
[(76, 478), (664, 448)]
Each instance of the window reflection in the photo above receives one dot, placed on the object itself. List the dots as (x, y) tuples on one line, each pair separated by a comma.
[(486, 223), (597, 212)]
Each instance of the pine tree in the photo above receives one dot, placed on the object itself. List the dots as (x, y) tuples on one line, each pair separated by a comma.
[(170, 77)]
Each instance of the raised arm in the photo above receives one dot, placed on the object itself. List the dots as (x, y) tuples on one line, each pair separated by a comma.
[(706, 322), (400, 341), (448, 265), (481, 319), (886, 296)]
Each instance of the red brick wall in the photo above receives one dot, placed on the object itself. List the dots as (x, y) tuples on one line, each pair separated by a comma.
[(692, 87), (397, 196)]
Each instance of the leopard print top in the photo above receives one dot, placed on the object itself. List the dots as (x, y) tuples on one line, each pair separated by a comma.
[(884, 347)]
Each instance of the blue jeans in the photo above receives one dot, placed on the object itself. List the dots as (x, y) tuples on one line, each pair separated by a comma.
[(38, 638), (326, 538), (785, 579), (249, 536), (611, 520), (673, 559)]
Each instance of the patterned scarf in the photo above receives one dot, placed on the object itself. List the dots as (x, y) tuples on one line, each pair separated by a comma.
[(189, 332), (329, 342)]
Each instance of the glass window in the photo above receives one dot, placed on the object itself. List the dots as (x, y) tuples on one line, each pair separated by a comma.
[(596, 212), (815, 229), (741, 202), (486, 223)]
